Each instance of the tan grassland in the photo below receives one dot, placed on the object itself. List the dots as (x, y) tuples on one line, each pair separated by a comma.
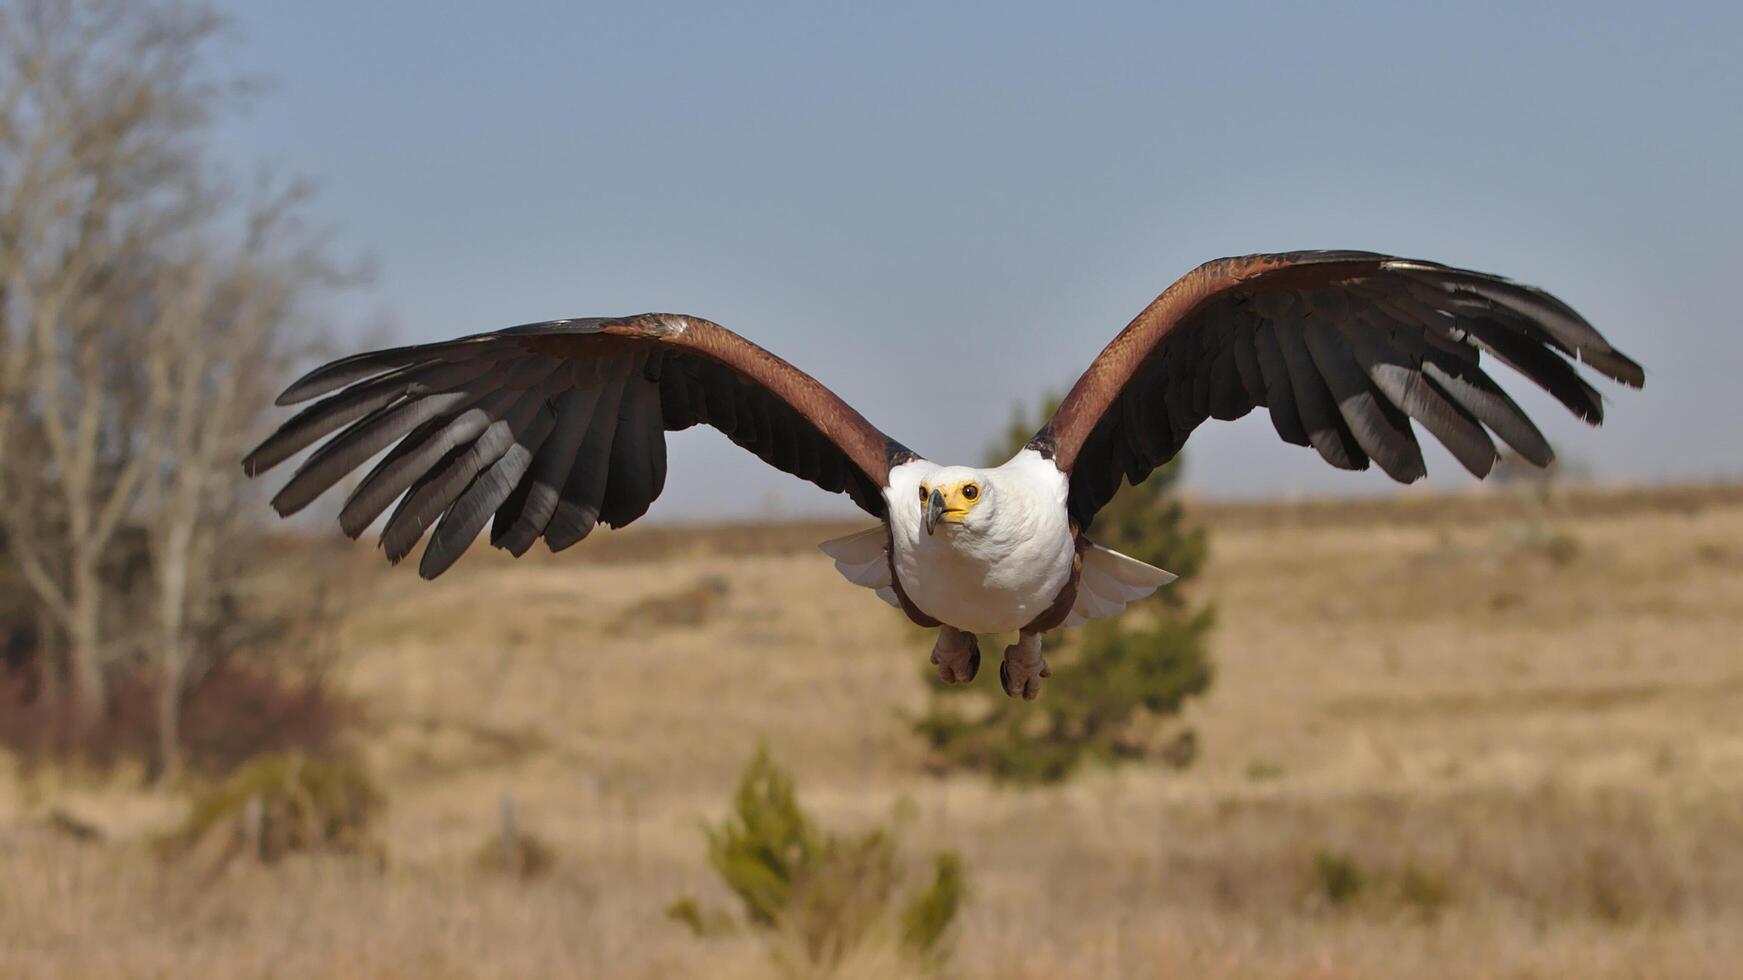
[(1531, 754)]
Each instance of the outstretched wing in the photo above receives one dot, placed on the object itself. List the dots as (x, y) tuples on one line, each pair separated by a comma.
[(1344, 348), (551, 428)]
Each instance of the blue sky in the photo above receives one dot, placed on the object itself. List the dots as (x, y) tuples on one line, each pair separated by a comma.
[(940, 210)]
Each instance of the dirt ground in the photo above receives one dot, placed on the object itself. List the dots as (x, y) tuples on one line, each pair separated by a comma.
[(1521, 732)]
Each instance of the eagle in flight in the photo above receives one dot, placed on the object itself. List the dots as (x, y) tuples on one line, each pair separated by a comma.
[(550, 429)]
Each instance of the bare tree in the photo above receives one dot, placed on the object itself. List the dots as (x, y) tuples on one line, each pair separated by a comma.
[(144, 315), (97, 101), (224, 339)]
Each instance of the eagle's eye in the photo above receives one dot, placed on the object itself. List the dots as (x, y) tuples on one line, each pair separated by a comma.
[(970, 492), (924, 493)]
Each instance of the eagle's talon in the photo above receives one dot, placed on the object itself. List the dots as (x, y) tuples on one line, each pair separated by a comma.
[(957, 655), (1022, 670)]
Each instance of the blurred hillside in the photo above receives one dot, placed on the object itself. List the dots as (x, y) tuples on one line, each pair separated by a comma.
[(1450, 736)]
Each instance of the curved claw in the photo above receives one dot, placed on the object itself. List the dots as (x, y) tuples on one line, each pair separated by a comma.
[(972, 668), (957, 655), (1029, 686), (1022, 670)]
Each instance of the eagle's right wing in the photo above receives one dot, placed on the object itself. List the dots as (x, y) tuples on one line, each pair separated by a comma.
[(550, 428), (1346, 349)]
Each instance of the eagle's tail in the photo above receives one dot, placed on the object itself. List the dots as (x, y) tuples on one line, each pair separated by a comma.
[(861, 558)]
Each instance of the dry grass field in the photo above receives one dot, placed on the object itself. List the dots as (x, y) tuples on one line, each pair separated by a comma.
[(1508, 754)]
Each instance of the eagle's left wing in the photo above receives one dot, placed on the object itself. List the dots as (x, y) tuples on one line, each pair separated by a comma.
[(1344, 348), (551, 428)]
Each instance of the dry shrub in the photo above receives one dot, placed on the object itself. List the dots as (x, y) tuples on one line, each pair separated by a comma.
[(688, 607), (72, 828), (1339, 880), (706, 923), (1424, 891), (523, 856), (1548, 853), (281, 804), (1541, 540), (513, 851), (233, 713)]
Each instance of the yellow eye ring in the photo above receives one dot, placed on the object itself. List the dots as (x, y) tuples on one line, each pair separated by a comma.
[(924, 493), (970, 492)]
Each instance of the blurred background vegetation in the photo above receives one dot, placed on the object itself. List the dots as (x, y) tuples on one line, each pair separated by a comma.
[(152, 304)]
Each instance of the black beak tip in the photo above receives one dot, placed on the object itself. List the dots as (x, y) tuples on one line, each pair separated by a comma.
[(934, 510)]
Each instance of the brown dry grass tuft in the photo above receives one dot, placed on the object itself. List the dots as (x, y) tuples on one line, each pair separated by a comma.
[(1530, 761)]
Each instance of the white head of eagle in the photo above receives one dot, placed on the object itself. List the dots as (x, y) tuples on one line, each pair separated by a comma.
[(957, 498)]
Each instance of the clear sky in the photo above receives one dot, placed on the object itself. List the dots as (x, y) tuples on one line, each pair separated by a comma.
[(940, 210)]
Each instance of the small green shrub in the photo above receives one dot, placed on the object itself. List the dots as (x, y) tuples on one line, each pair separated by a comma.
[(930, 913), (1261, 771), (762, 854), (1337, 878), (839, 898), (818, 895), (706, 923), (1423, 891)]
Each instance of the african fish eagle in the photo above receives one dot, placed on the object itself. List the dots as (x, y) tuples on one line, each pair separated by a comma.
[(550, 429)]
